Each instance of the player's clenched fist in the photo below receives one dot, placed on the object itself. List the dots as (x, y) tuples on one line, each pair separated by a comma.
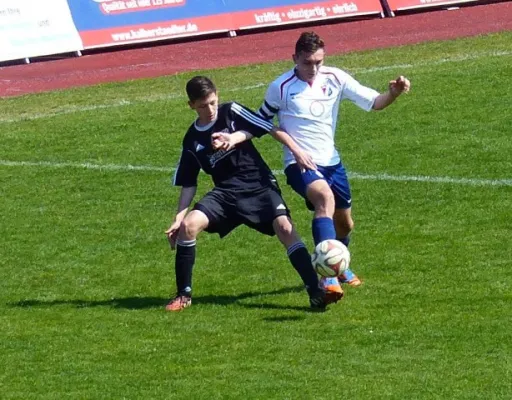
[(222, 141), (399, 85)]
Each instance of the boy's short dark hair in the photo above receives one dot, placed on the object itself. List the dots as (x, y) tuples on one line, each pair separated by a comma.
[(309, 42), (200, 87)]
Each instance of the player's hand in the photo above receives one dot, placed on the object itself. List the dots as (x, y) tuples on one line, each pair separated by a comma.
[(399, 85), (222, 141), (304, 161), (172, 234)]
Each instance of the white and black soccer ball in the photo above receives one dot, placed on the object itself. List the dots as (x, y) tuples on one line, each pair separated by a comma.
[(330, 258)]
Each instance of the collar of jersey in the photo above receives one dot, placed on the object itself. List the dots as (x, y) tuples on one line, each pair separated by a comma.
[(206, 127), (300, 80)]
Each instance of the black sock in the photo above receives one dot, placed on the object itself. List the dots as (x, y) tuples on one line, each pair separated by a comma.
[(185, 258), (301, 261), (345, 240)]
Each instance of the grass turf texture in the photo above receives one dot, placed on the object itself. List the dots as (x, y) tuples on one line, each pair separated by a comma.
[(85, 270)]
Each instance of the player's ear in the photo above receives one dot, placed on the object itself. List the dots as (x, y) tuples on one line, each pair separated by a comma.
[(191, 105), (294, 58)]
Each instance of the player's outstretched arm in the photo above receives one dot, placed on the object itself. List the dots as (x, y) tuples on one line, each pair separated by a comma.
[(303, 159), (186, 196), (396, 88)]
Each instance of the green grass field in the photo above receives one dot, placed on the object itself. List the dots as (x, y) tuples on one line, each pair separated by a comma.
[(85, 269)]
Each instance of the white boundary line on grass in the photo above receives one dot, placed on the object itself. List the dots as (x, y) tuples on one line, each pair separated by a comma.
[(353, 175), (120, 103), (172, 96), (466, 57)]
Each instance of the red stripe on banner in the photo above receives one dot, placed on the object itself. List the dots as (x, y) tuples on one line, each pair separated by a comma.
[(156, 31), (227, 22), (397, 5)]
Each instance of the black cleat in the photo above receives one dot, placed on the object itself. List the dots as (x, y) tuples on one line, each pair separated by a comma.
[(318, 301)]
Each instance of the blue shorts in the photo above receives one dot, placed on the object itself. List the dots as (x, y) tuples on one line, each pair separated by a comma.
[(334, 175)]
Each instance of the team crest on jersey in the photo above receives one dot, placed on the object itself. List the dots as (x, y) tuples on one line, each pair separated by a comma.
[(198, 146), (327, 90)]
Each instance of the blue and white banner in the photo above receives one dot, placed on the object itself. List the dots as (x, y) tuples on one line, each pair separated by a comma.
[(113, 22), (31, 28)]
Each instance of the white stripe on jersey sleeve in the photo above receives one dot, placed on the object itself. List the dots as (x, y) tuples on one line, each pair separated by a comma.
[(176, 172), (254, 119)]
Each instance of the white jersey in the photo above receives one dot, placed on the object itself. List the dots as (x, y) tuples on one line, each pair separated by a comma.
[(309, 112)]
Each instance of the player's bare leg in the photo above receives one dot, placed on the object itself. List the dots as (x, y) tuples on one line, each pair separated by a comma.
[(344, 224), (194, 223), (320, 195)]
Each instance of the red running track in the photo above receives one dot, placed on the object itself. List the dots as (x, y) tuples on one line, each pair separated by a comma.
[(252, 48)]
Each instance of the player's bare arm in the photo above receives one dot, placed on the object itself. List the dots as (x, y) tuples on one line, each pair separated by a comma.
[(303, 159), (226, 141), (186, 196), (395, 88)]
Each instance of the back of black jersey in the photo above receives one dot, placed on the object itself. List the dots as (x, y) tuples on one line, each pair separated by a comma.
[(242, 168)]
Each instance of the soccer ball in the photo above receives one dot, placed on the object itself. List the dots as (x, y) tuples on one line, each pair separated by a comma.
[(330, 258)]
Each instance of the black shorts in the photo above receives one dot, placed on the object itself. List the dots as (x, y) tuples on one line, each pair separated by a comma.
[(227, 209)]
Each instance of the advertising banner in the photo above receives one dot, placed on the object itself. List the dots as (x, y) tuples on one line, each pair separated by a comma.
[(113, 22), (296, 11), (397, 5), (110, 22), (36, 28)]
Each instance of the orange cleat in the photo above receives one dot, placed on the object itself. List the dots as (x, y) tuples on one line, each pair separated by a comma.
[(333, 290), (350, 278), (179, 303)]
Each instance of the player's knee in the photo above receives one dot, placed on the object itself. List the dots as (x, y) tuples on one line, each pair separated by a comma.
[(283, 228), (190, 227), (324, 203)]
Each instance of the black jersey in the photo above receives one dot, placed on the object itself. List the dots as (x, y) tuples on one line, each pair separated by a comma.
[(241, 168)]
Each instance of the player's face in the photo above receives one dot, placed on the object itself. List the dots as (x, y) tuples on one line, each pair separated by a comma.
[(308, 64), (206, 108)]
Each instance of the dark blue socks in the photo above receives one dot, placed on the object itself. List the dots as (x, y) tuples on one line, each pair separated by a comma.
[(323, 229)]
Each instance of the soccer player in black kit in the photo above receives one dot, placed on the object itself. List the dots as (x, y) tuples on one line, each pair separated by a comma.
[(245, 192)]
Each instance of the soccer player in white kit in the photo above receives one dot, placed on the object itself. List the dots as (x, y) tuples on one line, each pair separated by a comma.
[(306, 100)]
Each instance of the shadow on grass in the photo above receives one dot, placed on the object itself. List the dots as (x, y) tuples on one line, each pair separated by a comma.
[(136, 303)]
